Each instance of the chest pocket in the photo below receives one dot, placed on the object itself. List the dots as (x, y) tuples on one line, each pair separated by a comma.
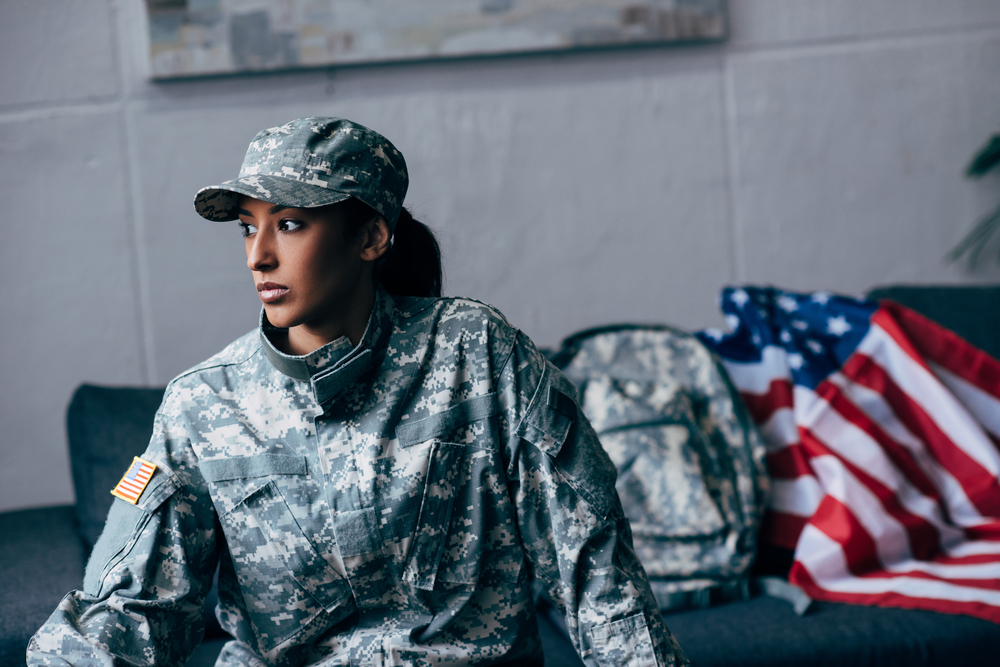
[(464, 502), (285, 582)]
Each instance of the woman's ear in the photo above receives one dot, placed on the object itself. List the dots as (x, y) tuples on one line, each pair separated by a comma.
[(376, 240)]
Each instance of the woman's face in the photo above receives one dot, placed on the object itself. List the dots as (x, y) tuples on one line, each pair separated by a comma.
[(307, 266)]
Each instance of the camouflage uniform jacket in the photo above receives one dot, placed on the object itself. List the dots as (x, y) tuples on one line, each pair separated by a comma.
[(384, 504)]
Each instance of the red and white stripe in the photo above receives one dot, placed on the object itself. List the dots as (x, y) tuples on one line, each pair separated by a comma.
[(886, 476), (133, 483)]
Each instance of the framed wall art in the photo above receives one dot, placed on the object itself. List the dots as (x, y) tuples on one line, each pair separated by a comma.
[(208, 37)]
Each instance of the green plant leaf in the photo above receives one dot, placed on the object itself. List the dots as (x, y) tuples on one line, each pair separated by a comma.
[(976, 240), (986, 157)]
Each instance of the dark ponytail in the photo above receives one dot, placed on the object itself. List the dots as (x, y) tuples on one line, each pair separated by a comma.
[(412, 265)]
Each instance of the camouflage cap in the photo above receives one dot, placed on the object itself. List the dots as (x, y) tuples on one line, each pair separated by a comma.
[(312, 162)]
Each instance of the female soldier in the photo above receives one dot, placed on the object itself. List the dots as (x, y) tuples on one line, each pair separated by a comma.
[(381, 474)]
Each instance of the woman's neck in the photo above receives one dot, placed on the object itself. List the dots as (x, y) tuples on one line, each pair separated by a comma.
[(351, 321)]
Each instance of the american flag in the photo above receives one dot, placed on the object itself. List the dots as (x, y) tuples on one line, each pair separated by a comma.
[(135, 480), (883, 435)]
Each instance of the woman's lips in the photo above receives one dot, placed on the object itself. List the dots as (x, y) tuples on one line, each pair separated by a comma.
[(271, 292)]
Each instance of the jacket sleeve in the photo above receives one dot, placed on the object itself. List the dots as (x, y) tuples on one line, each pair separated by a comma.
[(146, 580), (575, 535)]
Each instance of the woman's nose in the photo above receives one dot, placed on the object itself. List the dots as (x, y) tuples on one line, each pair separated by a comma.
[(260, 252)]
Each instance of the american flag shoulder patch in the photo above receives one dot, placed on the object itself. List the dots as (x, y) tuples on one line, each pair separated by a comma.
[(134, 482)]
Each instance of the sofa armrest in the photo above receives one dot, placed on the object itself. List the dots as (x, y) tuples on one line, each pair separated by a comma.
[(106, 427)]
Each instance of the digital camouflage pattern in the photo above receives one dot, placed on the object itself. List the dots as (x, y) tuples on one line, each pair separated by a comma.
[(312, 162), (388, 504), (691, 478)]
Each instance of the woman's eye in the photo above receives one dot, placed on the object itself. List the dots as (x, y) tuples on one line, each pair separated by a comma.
[(247, 229), (289, 225)]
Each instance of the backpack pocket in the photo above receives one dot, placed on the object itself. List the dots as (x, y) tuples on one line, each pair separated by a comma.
[(668, 480)]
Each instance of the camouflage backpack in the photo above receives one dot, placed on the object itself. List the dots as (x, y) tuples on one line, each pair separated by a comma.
[(691, 472)]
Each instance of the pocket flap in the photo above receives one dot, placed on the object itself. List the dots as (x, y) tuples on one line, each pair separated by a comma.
[(551, 414), (624, 642), (474, 409), (284, 580), (259, 465), (163, 485), (611, 404), (434, 522)]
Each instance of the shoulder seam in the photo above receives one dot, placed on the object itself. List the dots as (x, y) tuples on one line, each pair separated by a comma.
[(444, 300), (206, 366)]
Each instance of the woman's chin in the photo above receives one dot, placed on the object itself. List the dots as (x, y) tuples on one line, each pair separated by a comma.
[(279, 317)]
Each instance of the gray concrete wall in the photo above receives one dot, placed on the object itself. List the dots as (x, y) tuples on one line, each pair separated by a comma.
[(822, 146)]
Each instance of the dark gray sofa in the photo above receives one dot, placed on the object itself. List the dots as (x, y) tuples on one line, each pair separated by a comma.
[(43, 551)]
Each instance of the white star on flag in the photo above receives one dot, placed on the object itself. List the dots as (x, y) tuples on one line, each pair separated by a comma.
[(800, 325), (785, 336), (821, 298), (795, 361), (732, 321), (714, 334), (837, 326), (814, 346), (739, 297), (787, 303)]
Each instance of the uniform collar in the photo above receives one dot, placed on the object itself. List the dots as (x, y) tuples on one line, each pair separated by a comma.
[(337, 365)]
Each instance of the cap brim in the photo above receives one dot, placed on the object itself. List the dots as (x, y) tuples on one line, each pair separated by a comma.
[(219, 202)]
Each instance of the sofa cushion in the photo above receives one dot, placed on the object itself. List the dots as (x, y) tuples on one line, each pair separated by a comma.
[(106, 426), (41, 558), (765, 631)]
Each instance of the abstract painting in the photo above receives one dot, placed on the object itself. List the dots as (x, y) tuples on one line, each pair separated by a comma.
[(206, 37)]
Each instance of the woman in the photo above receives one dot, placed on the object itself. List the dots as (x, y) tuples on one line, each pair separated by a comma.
[(381, 474)]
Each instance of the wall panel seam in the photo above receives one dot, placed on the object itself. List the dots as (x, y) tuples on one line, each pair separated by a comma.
[(730, 131)]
